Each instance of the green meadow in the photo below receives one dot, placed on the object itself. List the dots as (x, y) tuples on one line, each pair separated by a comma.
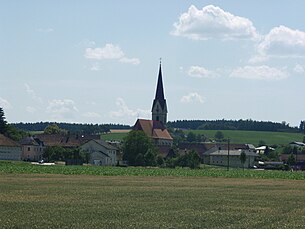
[(236, 136), (253, 137)]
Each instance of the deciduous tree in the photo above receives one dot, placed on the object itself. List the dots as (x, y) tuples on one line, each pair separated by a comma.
[(243, 158), (135, 146), (219, 136)]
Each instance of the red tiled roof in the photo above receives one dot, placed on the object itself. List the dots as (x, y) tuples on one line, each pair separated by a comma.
[(5, 141), (153, 129)]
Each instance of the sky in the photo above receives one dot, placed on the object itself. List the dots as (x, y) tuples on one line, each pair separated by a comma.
[(97, 61)]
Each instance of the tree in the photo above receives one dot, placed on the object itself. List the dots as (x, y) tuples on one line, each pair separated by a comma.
[(3, 124), (302, 127), (243, 158), (219, 136), (135, 146), (291, 160), (287, 149), (193, 160), (190, 159), (191, 137), (54, 129), (150, 158), (85, 155)]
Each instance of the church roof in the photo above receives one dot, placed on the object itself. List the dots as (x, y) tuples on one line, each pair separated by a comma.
[(153, 129), (160, 91)]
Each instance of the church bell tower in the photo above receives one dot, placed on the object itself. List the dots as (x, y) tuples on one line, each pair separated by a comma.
[(159, 107)]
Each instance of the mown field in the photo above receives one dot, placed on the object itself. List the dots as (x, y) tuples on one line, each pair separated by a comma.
[(84, 201), (236, 136)]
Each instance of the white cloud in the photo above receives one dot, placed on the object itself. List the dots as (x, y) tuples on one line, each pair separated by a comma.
[(112, 52), (62, 109), (299, 69), (283, 42), (213, 22), (109, 51), (200, 72), (91, 115), (32, 93), (124, 110), (262, 72), (192, 97), (126, 60), (5, 104)]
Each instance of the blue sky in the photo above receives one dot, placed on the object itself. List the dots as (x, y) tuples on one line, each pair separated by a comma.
[(97, 61)]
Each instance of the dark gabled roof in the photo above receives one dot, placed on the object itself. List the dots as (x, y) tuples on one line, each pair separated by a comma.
[(160, 91), (105, 144), (30, 141), (65, 140), (5, 141), (103, 153)]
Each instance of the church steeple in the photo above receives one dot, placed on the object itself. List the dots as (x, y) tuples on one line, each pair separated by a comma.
[(159, 107)]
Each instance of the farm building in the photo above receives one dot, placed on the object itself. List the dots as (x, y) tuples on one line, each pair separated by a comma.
[(101, 153), (32, 149), (9, 149), (221, 157)]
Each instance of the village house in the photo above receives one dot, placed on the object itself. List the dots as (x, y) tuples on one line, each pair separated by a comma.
[(202, 148), (220, 157), (9, 149), (297, 144), (32, 149), (101, 153), (65, 140)]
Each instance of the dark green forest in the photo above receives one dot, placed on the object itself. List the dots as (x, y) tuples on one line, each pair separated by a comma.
[(71, 127), (247, 124)]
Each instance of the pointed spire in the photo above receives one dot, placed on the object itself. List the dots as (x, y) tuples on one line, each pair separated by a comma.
[(160, 91)]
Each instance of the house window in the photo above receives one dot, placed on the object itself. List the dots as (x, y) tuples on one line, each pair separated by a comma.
[(29, 148)]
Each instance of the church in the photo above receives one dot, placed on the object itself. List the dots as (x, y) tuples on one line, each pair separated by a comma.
[(156, 128)]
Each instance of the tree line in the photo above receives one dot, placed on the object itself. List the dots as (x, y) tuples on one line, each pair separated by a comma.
[(247, 124), (71, 127)]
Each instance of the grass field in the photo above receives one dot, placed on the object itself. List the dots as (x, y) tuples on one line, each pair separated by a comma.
[(253, 137), (236, 136), (114, 136), (82, 201)]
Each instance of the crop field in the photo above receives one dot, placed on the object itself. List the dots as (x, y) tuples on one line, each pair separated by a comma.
[(84, 201), (7, 167)]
